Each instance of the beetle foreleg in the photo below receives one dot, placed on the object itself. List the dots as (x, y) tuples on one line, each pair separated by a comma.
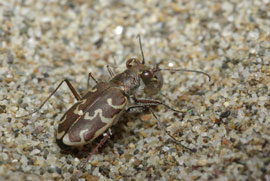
[(73, 90), (136, 108)]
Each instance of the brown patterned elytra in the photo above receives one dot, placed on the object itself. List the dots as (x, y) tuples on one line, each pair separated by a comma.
[(101, 107), (91, 116)]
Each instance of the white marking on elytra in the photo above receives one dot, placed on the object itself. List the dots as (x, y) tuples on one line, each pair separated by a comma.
[(68, 142), (99, 112), (103, 129), (80, 113), (93, 90), (63, 120), (59, 135), (109, 101), (97, 133), (77, 111), (100, 131)]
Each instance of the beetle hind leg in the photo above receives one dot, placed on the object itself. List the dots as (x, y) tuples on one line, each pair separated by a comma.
[(70, 86), (90, 75), (106, 136)]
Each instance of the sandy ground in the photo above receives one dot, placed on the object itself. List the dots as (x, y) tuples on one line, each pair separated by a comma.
[(227, 120)]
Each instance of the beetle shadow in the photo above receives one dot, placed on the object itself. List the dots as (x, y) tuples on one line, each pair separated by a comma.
[(83, 151)]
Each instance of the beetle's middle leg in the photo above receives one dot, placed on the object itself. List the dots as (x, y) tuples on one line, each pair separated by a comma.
[(136, 108), (162, 127), (73, 90)]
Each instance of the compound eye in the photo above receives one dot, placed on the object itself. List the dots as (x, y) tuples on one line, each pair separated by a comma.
[(153, 82), (146, 74)]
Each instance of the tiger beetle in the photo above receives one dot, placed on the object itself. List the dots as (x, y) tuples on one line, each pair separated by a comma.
[(100, 108)]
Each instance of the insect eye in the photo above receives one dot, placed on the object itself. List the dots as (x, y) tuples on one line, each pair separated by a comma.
[(146, 74)]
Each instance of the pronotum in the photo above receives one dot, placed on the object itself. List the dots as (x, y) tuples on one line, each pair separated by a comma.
[(100, 108)]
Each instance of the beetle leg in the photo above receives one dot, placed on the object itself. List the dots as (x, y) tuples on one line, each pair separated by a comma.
[(106, 136), (137, 108), (73, 90), (162, 127), (110, 71), (151, 102), (90, 75)]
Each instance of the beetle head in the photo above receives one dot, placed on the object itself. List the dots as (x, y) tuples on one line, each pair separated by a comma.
[(151, 77)]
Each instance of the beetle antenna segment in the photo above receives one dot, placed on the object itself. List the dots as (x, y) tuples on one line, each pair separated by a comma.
[(162, 127), (185, 70), (104, 139), (140, 42)]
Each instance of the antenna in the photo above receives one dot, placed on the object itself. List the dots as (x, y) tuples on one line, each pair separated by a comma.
[(185, 70), (140, 42)]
